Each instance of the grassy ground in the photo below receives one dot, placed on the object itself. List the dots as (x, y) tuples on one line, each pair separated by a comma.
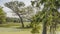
[(14, 31), (14, 24), (15, 28)]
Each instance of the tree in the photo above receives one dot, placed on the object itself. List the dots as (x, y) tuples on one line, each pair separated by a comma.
[(2, 16), (49, 11), (29, 12), (16, 7)]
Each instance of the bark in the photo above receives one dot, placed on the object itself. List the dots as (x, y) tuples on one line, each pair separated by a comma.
[(21, 21), (44, 29), (51, 30)]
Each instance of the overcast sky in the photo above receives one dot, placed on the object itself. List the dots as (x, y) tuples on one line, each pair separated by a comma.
[(7, 10)]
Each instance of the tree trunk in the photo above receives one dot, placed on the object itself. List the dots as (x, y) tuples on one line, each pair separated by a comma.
[(21, 20), (51, 30), (44, 29)]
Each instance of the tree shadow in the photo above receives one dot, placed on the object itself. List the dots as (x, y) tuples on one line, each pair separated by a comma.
[(23, 27)]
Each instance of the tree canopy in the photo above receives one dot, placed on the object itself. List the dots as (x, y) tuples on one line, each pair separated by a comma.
[(15, 6), (2, 16), (49, 14)]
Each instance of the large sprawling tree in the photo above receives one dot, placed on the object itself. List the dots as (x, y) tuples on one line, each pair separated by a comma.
[(49, 15), (16, 7)]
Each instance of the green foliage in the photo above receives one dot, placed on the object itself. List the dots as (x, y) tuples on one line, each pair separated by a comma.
[(2, 16), (49, 15), (9, 19), (36, 28), (15, 6), (36, 23)]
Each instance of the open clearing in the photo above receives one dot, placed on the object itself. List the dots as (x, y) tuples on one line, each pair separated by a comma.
[(12, 28), (14, 31)]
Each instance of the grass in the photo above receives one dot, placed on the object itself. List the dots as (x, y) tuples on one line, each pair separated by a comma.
[(22, 32), (15, 30), (12, 29), (19, 29), (10, 24), (13, 24)]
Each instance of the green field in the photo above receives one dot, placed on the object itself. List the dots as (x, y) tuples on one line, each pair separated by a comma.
[(15, 28), (14, 31)]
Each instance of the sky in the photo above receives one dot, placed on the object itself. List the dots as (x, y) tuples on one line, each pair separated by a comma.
[(8, 11)]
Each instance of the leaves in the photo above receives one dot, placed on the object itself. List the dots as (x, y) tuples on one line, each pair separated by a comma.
[(49, 14), (2, 16)]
